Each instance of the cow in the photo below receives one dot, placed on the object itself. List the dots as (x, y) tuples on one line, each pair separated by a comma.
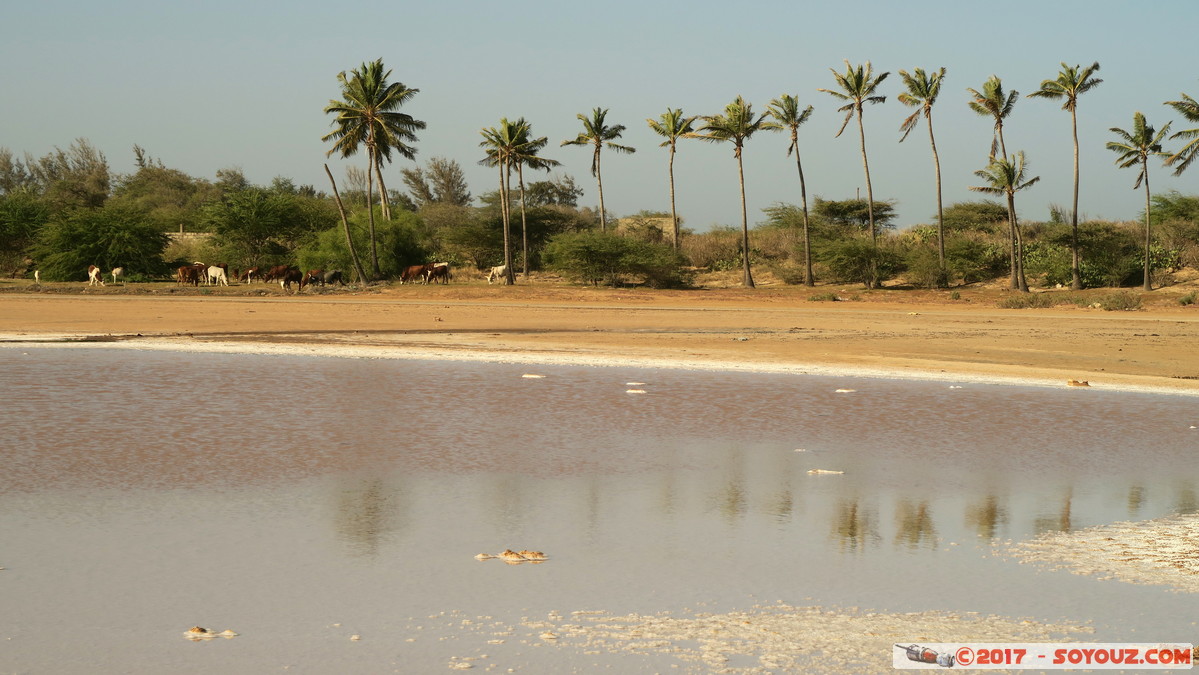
[(316, 276), (117, 272), (94, 276), (439, 270), (275, 272), (216, 276), (291, 276), (249, 274), (188, 274), (333, 277), (37, 277), (497, 272), (411, 273)]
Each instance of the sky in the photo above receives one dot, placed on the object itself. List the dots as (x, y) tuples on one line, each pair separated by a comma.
[(209, 85)]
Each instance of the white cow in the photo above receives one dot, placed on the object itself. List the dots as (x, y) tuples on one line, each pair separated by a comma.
[(498, 272), (216, 275), (94, 276), (117, 272)]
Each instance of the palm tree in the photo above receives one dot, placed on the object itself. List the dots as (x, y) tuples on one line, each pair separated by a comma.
[(672, 126), (1136, 148), (857, 87), (736, 126), (1070, 83), (1006, 176), (785, 114), (991, 102), (499, 143), (368, 116), (524, 153), (1188, 108), (922, 92), (599, 135)]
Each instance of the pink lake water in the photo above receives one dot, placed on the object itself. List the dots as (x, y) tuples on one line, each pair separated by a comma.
[(302, 500)]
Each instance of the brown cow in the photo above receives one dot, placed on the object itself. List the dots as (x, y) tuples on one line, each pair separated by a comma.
[(411, 273), (439, 270), (249, 274), (275, 272), (292, 275), (94, 276), (316, 276), (188, 274)]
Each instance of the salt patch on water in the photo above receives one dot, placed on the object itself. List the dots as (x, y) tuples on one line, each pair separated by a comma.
[(1163, 551), (782, 638)]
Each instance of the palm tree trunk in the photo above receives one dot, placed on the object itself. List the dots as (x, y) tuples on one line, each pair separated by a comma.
[(748, 278), (599, 182), (505, 216), (803, 197), (869, 190), (940, 210), (1019, 281), (1148, 285), (674, 215), (383, 193), (345, 224), (370, 211), (1075, 272), (524, 225)]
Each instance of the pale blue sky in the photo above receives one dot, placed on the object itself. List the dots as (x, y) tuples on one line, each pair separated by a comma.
[(209, 85)]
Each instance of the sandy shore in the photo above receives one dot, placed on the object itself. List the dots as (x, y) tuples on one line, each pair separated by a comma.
[(897, 334)]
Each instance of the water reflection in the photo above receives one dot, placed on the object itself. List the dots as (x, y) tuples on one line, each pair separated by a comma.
[(855, 526), (915, 525), (986, 516)]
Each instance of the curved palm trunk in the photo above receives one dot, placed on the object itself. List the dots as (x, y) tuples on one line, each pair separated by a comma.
[(1075, 273), (803, 196), (674, 215), (1019, 282), (345, 224), (869, 190), (599, 183), (506, 217), (940, 210), (370, 210), (524, 225), (1148, 285), (748, 279)]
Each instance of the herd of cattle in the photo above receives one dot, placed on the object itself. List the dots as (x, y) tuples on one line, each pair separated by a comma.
[(199, 273)]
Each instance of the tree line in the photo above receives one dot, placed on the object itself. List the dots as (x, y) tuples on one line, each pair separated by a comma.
[(65, 210)]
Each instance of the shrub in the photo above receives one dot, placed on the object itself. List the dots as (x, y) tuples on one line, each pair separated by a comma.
[(824, 297), (1120, 302), (924, 268), (857, 259), (109, 236), (595, 257), (1027, 301), (1188, 299)]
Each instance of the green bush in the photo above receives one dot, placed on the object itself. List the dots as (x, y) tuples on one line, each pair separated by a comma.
[(924, 268), (824, 297), (1188, 299), (109, 236), (599, 257), (858, 260), (971, 257)]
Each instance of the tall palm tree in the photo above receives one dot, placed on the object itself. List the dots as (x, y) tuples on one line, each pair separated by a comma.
[(858, 85), (1136, 147), (1070, 83), (524, 153), (735, 126), (922, 91), (1188, 108), (499, 142), (672, 126), (368, 116), (599, 135), (1007, 176), (992, 102), (785, 114)]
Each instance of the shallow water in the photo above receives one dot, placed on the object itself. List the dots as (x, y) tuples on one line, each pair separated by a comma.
[(301, 500)]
